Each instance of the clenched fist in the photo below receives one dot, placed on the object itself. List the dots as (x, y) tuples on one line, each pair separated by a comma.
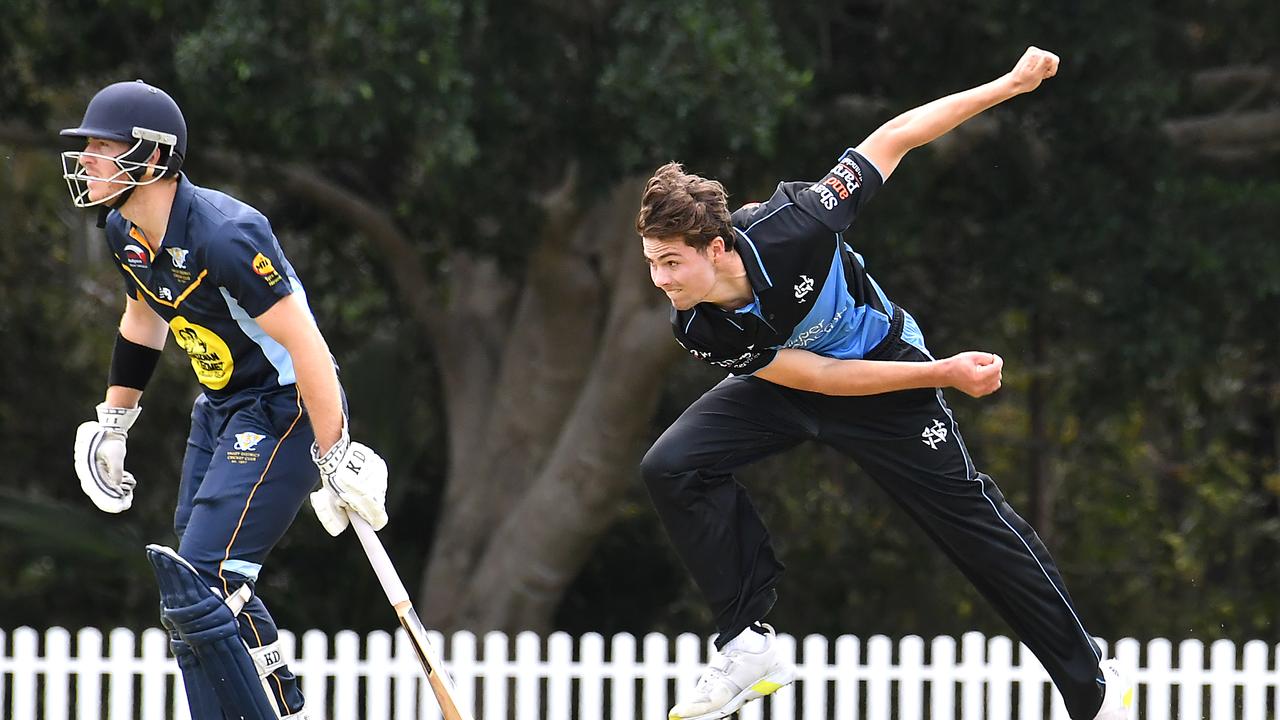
[(1034, 66), (974, 373)]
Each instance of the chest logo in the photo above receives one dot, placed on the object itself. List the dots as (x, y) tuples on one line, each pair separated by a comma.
[(165, 293), (179, 256), (210, 357), (135, 256), (804, 287)]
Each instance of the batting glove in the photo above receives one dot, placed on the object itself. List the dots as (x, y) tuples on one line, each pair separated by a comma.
[(355, 480), (99, 458)]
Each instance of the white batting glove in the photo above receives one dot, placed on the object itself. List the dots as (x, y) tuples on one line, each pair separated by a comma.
[(99, 458), (355, 480), (330, 511)]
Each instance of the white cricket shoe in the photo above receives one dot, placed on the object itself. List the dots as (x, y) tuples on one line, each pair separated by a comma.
[(735, 677), (1117, 702)]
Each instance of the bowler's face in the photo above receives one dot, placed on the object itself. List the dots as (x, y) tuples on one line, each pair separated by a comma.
[(684, 274)]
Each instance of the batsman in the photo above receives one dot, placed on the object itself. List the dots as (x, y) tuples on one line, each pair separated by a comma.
[(269, 423), (775, 294)]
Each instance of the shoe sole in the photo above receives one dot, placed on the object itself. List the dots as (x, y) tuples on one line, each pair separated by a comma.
[(768, 685)]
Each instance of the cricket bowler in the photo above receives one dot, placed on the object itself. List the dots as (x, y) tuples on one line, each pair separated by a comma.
[(776, 294)]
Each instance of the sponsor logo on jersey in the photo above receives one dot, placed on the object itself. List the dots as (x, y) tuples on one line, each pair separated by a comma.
[(165, 293), (839, 184), (135, 256), (179, 256), (210, 357), (265, 269)]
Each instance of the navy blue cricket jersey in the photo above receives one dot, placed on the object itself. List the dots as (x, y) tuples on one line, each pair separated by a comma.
[(219, 266), (812, 291)]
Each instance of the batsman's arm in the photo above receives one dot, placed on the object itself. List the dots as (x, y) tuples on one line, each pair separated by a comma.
[(973, 373), (890, 142), (289, 323), (139, 325)]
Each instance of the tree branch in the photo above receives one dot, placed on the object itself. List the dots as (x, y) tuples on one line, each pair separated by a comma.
[(1251, 129)]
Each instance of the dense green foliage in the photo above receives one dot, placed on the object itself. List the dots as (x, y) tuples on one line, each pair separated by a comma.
[(1131, 282)]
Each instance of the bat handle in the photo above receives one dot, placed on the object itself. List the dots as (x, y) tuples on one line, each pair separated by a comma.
[(378, 558)]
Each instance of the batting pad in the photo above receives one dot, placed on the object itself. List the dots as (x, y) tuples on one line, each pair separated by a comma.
[(204, 622), (201, 698)]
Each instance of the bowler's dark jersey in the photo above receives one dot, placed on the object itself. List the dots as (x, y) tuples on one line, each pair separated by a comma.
[(812, 291)]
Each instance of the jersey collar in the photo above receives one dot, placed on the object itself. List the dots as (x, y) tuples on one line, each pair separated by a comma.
[(746, 249), (176, 232)]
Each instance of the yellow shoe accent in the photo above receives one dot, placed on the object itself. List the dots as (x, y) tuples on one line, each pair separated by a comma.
[(1127, 699), (766, 687)]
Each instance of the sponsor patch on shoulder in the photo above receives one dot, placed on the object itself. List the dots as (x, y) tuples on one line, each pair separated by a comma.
[(264, 268)]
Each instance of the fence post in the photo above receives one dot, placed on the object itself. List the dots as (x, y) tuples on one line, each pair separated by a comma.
[(313, 668), (495, 677), (655, 669), (25, 653), (1190, 668), (879, 667), (848, 676), (998, 672), (120, 667), (462, 668), (379, 663), (591, 677), (1255, 680), (155, 668), (559, 670), (688, 662), (942, 692), (813, 677), (528, 667), (1159, 680), (57, 673), (346, 674), (911, 678), (622, 666), (973, 650), (1222, 676)]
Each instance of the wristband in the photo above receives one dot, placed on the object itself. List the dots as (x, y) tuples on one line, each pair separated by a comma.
[(131, 364)]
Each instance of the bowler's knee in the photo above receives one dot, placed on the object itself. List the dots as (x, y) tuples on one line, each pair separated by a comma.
[(662, 464)]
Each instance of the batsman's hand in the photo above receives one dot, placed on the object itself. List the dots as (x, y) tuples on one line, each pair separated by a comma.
[(99, 458), (355, 480), (975, 373), (1034, 66)]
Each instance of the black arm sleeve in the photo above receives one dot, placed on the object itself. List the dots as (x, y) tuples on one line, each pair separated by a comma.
[(131, 364)]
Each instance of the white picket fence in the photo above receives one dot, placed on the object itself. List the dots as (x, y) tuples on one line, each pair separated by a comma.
[(58, 674)]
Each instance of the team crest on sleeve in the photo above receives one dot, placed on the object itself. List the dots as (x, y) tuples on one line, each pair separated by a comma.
[(264, 268)]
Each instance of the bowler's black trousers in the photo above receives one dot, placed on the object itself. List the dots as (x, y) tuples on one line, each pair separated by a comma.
[(909, 443)]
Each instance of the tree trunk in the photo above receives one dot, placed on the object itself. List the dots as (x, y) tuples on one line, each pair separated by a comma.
[(571, 395)]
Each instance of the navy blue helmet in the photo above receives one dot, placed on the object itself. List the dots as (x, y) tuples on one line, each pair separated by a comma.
[(135, 113)]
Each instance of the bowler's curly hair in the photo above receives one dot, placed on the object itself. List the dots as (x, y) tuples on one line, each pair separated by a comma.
[(678, 204)]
